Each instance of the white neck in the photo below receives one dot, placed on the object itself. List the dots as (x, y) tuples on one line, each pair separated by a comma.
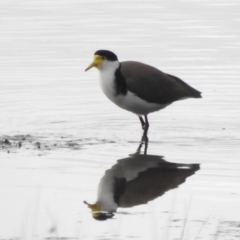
[(109, 66), (107, 77)]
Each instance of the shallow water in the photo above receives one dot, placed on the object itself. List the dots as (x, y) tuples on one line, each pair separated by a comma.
[(63, 134)]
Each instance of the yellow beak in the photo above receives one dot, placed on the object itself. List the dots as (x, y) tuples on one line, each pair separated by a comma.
[(97, 62)]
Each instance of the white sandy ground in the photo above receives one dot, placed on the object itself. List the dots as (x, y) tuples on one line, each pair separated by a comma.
[(70, 133)]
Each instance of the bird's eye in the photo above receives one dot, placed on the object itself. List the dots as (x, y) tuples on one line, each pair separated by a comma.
[(103, 58)]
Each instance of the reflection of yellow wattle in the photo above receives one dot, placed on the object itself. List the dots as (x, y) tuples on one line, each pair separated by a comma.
[(94, 207)]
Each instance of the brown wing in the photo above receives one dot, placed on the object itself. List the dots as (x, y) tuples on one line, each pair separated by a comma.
[(154, 86)]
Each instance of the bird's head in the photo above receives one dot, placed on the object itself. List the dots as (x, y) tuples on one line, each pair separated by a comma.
[(94, 207), (96, 212), (104, 59)]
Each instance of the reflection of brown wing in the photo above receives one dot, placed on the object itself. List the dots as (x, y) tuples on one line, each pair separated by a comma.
[(119, 188), (153, 183)]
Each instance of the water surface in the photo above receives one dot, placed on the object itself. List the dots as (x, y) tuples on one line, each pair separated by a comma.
[(63, 134)]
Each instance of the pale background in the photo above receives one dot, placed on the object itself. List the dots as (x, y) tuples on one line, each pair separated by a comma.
[(46, 98)]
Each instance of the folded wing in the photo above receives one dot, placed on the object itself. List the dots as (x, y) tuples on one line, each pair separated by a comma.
[(155, 86)]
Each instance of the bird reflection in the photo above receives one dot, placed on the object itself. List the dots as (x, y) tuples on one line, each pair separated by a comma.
[(136, 180)]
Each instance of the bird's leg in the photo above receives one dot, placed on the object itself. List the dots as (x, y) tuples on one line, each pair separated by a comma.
[(146, 146), (144, 142), (142, 122), (146, 126), (139, 148)]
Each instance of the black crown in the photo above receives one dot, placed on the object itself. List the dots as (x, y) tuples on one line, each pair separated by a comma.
[(107, 54)]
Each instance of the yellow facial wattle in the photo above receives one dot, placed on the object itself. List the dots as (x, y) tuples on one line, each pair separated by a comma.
[(97, 62)]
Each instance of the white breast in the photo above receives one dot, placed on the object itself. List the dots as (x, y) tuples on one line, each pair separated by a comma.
[(107, 83)]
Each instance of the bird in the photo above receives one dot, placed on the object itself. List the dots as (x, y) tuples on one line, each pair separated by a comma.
[(138, 87), (135, 180)]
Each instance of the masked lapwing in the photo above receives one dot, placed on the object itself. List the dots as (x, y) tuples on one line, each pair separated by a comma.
[(136, 180), (138, 87)]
